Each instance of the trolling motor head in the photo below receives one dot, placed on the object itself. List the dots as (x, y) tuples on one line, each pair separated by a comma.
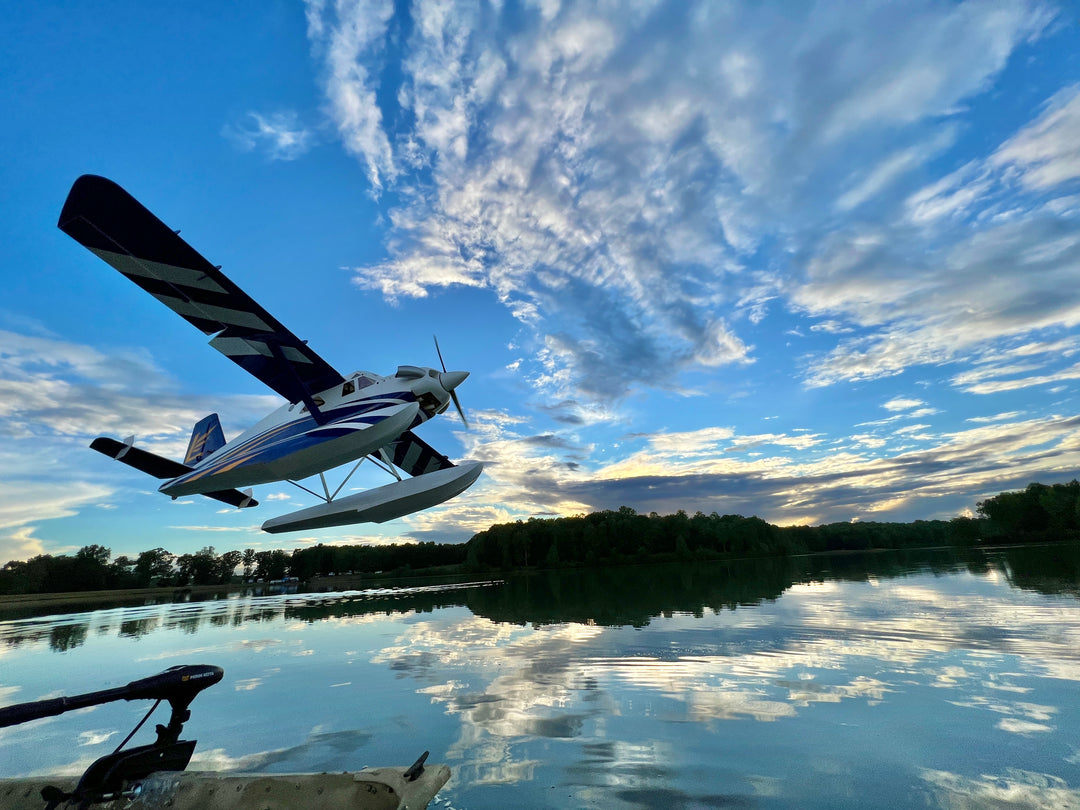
[(178, 685), (107, 776)]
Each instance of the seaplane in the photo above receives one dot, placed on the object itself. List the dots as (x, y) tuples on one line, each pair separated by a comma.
[(329, 420)]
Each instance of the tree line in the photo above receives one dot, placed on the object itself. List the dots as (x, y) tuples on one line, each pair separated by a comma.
[(92, 568), (1038, 513), (623, 535)]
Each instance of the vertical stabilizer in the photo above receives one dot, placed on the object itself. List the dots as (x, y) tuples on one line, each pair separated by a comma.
[(206, 438)]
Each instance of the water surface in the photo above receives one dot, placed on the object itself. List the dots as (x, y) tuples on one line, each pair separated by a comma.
[(880, 680)]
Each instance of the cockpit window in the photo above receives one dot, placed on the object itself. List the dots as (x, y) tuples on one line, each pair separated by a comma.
[(348, 388), (363, 381)]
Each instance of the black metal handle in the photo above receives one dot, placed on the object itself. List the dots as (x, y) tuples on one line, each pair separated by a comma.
[(179, 685)]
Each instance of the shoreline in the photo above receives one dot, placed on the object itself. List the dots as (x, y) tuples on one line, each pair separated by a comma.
[(325, 584), (35, 600), (132, 596)]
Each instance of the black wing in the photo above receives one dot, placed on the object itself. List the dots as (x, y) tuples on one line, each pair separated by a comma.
[(116, 227)]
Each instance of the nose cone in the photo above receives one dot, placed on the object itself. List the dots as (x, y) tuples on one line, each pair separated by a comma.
[(452, 379)]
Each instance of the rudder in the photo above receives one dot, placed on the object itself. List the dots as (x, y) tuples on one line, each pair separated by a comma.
[(206, 438)]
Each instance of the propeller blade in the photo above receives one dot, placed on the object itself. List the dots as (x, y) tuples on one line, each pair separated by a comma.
[(461, 413), (451, 381), (438, 352)]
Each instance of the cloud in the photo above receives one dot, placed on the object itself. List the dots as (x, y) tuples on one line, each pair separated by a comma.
[(345, 35), (893, 167), (613, 175), (985, 294), (914, 472), (279, 135), (55, 396), (1046, 153), (976, 268), (902, 404), (24, 502), (995, 386), (20, 544)]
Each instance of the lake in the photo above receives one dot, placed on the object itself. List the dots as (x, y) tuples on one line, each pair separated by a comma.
[(915, 679)]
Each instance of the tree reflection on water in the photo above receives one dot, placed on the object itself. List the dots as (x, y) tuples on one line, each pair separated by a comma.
[(611, 596)]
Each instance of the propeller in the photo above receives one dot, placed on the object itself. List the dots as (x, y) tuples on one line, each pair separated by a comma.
[(450, 380)]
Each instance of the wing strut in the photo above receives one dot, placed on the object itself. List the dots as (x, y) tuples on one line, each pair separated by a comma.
[(301, 388)]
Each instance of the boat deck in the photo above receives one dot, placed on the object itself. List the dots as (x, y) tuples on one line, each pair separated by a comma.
[(369, 789)]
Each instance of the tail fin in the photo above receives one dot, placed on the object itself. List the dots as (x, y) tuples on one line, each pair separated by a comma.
[(206, 438)]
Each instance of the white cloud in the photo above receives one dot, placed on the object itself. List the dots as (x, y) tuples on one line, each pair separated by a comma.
[(351, 32), (279, 135), (952, 195), (787, 478), (20, 544), (608, 172), (995, 386), (893, 167), (25, 502), (1046, 153), (250, 529), (998, 417), (54, 397), (994, 285), (902, 404)]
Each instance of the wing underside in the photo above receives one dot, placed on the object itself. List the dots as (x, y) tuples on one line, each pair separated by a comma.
[(415, 456), (108, 221)]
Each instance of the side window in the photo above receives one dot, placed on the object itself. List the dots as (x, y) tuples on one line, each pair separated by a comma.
[(348, 388)]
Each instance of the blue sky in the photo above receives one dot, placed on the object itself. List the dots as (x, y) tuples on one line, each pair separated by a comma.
[(814, 262)]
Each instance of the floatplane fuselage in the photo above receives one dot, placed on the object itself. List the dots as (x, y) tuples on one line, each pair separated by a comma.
[(348, 422), (328, 419)]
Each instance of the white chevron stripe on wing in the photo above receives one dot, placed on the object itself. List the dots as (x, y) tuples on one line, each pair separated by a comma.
[(184, 276)]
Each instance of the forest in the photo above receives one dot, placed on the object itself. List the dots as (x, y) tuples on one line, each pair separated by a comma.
[(1038, 513)]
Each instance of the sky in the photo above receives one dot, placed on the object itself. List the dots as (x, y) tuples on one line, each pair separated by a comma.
[(814, 262)]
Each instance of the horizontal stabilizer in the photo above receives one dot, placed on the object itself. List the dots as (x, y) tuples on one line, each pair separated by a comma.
[(233, 497), (141, 460), (160, 467)]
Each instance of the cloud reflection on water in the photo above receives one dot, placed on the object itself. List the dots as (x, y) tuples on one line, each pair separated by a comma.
[(687, 686), (1013, 788), (866, 642)]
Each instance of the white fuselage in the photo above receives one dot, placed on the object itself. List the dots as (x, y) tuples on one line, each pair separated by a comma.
[(356, 418)]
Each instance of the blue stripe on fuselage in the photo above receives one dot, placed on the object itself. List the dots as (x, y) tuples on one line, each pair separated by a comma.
[(282, 440)]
